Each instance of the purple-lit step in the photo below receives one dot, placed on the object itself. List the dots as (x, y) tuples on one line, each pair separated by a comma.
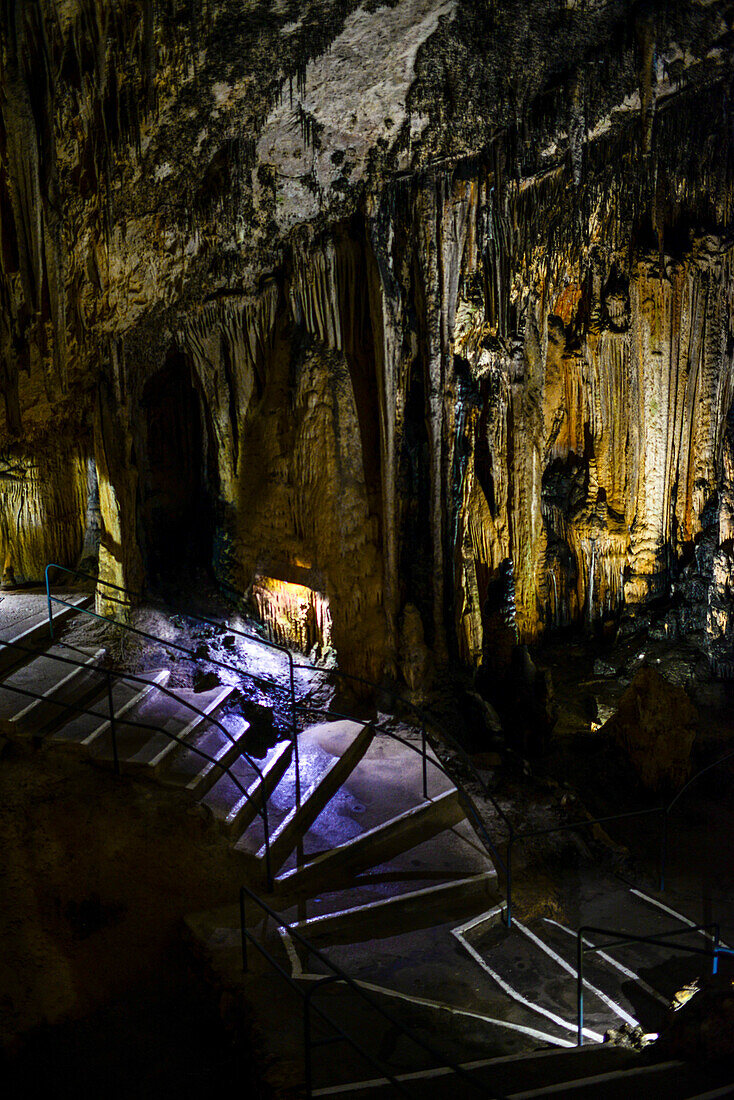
[(209, 750), (75, 686), (355, 740), (154, 727), (179, 715), (236, 804), (87, 732), (375, 846), (313, 762)]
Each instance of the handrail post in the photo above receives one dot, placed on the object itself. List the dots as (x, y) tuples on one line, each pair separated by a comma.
[(113, 728), (508, 881), (266, 830), (307, 1055), (294, 729), (50, 607), (243, 930), (663, 848), (580, 986), (425, 764), (715, 959)]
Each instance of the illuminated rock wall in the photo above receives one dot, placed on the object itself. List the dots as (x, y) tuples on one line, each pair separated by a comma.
[(452, 283)]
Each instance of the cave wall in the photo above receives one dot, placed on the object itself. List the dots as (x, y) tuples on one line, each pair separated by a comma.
[(452, 282)]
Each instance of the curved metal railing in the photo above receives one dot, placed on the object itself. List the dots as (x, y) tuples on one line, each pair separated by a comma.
[(467, 802), (338, 975), (109, 674), (514, 836)]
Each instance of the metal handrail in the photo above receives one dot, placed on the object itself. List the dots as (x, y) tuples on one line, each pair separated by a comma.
[(295, 707), (260, 680), (210, 622), (664, 811), (337, 975), (581, 947), (513, 836), (108, 674)]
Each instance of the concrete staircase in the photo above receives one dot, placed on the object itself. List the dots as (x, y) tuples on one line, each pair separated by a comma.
[(184, 740), (585, 1073), (392, 886)]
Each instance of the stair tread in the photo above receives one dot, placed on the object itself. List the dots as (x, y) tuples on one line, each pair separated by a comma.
[(143, 747), (175, 716), (614, 1081), (39, 674), (71, 685), (183, 767), (508, 1073), (375, 846), (314, 761), (224, 797), (40, 618), (84, 729), (418, 908), (285, 837), (548, 991)]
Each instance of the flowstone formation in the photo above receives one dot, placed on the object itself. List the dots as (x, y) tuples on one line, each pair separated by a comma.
[(406, 313)]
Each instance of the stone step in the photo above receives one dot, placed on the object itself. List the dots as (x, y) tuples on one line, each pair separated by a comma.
[(412, 910), (673, 1080), (40, 674), (193, 774), (83, 731), (623, 985), (617, 1077), (504, 1075), (532, 979), (75, 686), (235, 810), (375, 846), (34, 632), (660, 969), (286, 837), (175, 716), (145, 749)]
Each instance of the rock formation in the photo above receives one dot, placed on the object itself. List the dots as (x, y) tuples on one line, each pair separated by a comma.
[(655, 724), (429, 302)]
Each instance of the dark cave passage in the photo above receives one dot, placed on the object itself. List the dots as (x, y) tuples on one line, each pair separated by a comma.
[(176, 507)]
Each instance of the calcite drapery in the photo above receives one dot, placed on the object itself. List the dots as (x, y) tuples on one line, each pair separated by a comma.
[(456, 301)]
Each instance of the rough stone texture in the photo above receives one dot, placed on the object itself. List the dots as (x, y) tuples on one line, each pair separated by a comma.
[(92, 908), (702, 1029), (655, 723), (451, 281)]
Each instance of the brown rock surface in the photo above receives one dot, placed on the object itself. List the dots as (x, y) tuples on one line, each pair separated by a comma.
[(702, 1029), (655, 724)]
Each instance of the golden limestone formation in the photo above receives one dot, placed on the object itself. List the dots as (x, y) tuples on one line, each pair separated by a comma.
[(337, 306)]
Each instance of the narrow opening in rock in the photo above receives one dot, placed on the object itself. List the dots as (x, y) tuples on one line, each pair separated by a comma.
[(176, 506)]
